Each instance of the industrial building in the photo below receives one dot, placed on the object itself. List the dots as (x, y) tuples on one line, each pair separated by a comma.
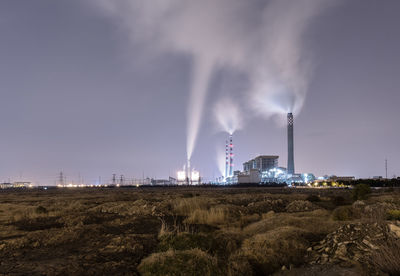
[(261, 163), (18, 184)]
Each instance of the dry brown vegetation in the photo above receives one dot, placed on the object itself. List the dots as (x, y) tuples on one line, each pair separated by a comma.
[(198, 231)]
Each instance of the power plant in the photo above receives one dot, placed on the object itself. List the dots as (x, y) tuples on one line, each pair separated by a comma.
[(265, 168), (261, 169)]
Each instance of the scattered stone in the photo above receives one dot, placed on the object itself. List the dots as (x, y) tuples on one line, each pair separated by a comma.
[(350, 243), (394, 229), (300, 206), (359, 204)]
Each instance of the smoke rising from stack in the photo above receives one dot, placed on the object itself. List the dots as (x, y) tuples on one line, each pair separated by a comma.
[(262, 39), (221, 160), (228, 115)]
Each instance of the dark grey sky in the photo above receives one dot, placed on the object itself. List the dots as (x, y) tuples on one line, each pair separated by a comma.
[(77, 96)]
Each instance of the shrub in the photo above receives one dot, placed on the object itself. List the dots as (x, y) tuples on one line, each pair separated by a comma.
[(361, 191), (313, 198), (343, 213), (187, 262), (393, 215)]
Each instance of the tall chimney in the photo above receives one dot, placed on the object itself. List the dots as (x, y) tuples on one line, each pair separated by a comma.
[(226, 159), (188, 173), (230, 156), (290, 165)]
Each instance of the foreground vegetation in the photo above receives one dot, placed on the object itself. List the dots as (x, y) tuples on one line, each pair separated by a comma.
[(200, 231)]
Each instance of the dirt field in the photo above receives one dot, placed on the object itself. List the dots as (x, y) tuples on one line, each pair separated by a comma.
[(199, 231)]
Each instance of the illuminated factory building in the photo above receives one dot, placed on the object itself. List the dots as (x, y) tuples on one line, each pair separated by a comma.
[(265, 168), (261, 163)]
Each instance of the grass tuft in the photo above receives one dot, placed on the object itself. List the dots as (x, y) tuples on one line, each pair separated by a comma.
[(186, 262)]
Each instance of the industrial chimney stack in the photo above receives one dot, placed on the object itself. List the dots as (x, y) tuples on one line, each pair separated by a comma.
[(188, 173), (226, 160), (230, 156), (290, 165)]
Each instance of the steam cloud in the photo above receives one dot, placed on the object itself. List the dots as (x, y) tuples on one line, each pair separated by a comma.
[(258, 37), (228, 115), (220, 159)]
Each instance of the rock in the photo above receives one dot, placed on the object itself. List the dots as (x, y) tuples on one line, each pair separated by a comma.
[(353, 241), (369, 244), (300, 206), (394, 229), (341, 250), (359, 204), (324, 259)]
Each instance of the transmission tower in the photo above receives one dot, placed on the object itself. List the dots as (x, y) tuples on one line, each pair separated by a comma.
[(61, 179)]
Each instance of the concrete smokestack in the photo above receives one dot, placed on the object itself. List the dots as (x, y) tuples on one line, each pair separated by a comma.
[(290, 164)]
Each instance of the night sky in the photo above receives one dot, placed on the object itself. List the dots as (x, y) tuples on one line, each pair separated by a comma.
[(79, 93)]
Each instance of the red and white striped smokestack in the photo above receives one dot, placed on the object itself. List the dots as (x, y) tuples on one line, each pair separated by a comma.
[(226, 159), (230, 156)]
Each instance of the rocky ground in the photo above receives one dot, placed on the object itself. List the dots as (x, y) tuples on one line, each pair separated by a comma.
[(198, 231)]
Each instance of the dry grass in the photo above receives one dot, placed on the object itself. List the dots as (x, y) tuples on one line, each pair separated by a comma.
[(269, 251), (186, 206), (213, 216), (183, 231), (186, 262), (317, 222), (387, 257)]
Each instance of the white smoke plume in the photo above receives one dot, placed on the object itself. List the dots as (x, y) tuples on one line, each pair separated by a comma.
[(228, 115), (280, 82), (258, 37), (220, 159)]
